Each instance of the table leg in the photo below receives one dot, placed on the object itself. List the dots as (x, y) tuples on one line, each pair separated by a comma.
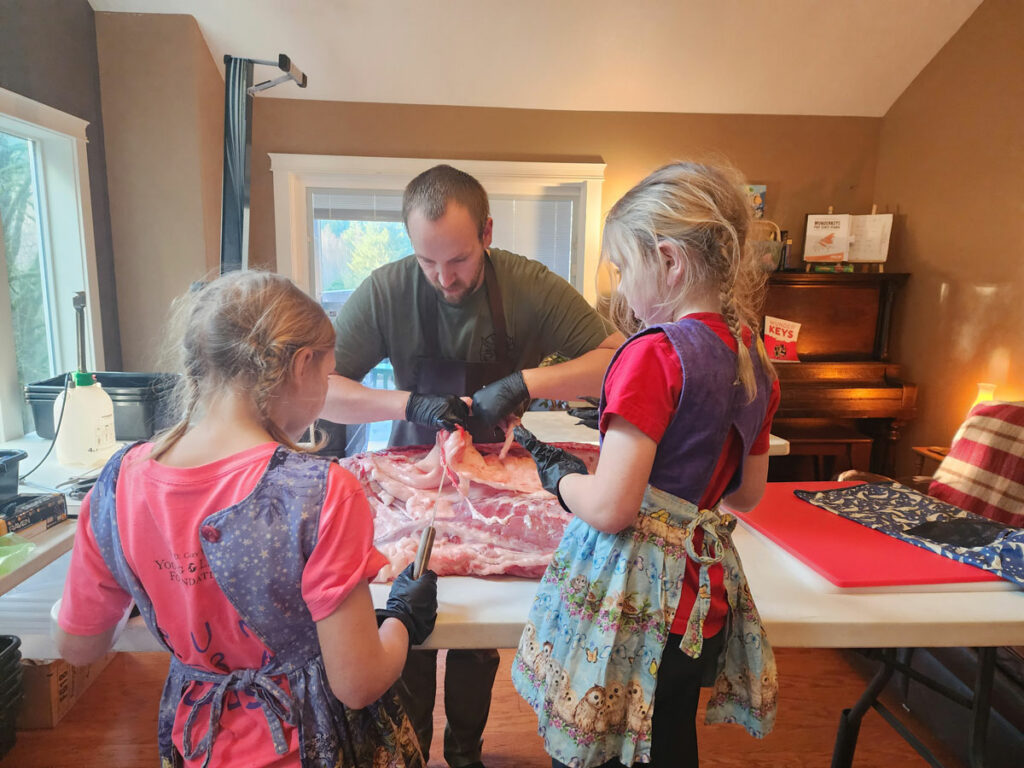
[(905, 656), (978, 732), (891, 661), (849, 720)]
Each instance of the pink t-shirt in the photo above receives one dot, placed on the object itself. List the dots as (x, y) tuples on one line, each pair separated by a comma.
[(159, 512)]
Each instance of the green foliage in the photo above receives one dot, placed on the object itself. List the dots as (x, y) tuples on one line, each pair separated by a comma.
[(22, 247), (350, 250), (371, 246)]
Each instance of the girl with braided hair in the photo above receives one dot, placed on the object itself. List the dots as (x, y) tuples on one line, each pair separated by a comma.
[(248, 557), (645, 599)]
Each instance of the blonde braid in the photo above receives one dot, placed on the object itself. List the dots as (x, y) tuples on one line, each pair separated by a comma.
[(187, 391), (729, 263), (269, 369)]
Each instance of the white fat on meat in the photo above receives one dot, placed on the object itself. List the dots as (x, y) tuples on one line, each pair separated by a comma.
[(497, 519)]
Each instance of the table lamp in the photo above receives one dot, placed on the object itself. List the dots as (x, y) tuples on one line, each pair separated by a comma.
[(986, 392)]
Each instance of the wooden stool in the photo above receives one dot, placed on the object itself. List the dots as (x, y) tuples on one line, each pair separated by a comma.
[(824, 440)]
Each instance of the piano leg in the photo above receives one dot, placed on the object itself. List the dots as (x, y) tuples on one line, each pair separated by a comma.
[(886, 433), (892, 437)]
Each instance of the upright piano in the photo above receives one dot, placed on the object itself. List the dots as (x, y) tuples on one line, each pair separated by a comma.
[(845, 377)]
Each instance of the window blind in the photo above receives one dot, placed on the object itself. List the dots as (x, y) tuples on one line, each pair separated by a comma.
[(358, 205)]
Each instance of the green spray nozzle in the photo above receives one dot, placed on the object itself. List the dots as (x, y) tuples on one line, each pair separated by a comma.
[(83, 379)]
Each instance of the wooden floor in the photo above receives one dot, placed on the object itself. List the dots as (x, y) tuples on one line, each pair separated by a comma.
[(114, 724)]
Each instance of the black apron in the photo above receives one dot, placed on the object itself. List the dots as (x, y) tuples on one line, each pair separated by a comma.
[(436, 375)]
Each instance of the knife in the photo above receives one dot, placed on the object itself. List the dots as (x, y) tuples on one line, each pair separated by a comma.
[(427, 538)]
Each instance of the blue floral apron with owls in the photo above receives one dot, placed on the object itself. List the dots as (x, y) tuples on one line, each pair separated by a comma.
[(587, 662)]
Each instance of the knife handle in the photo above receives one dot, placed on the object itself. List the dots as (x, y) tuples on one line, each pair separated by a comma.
[(423, 552)]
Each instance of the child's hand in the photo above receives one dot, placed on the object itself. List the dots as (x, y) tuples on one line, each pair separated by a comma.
[(414, 603), (437, 411), (588, 417), (552, 463)]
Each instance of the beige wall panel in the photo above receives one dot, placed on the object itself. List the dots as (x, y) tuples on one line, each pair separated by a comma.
[(149, 81), (951, 161), (807, 162), (209, 86)]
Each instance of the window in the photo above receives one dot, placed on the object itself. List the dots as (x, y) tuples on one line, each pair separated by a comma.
[(46, 252), (354, 232), (19, 214), (338, 218)]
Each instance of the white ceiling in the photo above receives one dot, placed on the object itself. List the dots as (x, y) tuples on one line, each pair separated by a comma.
[(806, 57)]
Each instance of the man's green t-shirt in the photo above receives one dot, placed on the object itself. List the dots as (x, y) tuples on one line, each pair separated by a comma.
[(543, 315)]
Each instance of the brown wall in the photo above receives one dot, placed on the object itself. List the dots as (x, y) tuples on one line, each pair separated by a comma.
[(950, 165), (808, 163), (946, 159), (31, 31), (163, 113)]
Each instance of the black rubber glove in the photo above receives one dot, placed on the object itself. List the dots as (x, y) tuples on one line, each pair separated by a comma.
[(500, 398), (437, 411), (588, 417), (552, 463), (413, 602)]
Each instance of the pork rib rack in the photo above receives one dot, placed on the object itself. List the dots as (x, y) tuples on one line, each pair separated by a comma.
[(496, 520)]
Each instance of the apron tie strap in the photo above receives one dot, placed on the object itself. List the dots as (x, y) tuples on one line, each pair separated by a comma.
[(277, 707), (717, 529)]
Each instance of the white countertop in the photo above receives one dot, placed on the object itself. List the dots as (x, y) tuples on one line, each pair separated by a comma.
[(798, 607), (560, 427)]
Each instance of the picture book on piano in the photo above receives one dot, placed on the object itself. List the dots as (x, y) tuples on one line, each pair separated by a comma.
[(828, 237), (780, 339)]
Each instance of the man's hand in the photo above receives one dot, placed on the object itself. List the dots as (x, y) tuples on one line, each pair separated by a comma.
[(437, 411), (552, 463), (500, 398)]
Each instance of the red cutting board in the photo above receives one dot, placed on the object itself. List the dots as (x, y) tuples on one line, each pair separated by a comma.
[(848, 554)]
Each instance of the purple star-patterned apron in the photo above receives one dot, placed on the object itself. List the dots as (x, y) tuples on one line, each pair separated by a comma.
[(280, 516)]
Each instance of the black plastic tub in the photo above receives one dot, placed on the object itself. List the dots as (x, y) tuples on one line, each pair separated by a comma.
[(10, 656), (140, 400), (11, 690), (9, 461)]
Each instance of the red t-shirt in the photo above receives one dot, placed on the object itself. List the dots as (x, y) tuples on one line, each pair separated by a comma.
[(643, 386), (159, 512)]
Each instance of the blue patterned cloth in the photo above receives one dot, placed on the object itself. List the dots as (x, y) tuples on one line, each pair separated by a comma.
[(588, 659), (279, 519), (925, 522)]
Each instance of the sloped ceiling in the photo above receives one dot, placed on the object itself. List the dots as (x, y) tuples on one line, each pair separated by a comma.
[(799, 57)]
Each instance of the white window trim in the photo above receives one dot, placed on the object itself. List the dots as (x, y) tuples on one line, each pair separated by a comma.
[(67, 239), (294, 175)]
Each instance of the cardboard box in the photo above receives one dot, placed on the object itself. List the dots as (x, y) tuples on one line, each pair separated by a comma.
[(52, 687)]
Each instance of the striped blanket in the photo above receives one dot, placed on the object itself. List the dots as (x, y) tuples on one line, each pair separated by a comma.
[(984, 470)]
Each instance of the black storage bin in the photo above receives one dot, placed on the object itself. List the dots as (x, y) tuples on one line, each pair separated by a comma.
[(140, 402), (9, 461), (11, 690)]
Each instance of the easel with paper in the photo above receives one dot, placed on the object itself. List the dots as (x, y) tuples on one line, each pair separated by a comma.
[(869, 237)]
